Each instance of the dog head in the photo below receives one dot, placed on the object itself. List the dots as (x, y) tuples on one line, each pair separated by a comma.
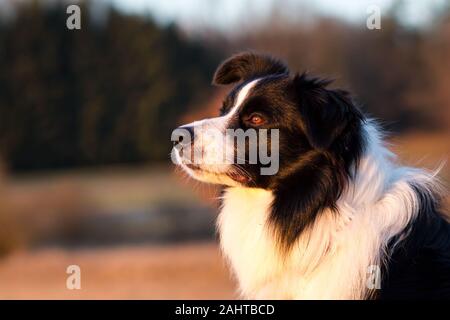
[(271, 124)]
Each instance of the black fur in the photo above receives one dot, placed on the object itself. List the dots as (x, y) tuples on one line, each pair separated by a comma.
[(244, 66), (419, 266)]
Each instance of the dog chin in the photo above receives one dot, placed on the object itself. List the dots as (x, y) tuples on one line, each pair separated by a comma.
[(225, 176), (222, 178)]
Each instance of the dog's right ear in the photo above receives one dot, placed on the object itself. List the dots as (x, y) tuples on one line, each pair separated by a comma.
[(246, 65), (325, 112)]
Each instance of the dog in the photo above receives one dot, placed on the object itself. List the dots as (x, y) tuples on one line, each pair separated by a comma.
[(340, 218)]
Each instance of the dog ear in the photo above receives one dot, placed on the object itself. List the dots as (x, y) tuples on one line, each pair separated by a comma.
[(325, 112), (246, 65)]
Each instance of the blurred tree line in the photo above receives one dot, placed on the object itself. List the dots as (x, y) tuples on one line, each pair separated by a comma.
[(108, 93), (113, 91)]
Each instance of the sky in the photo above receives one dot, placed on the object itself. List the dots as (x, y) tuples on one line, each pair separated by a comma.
[(224, 14), (230, 15)]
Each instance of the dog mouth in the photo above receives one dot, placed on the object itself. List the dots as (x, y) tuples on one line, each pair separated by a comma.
[(244, 179), (201, 173), (234, 175)]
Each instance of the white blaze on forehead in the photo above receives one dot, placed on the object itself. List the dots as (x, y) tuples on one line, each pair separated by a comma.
[(220, 122), (242, 95), (215, 150)]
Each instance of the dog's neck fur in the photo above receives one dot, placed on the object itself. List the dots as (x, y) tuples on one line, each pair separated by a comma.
[(332, 257)]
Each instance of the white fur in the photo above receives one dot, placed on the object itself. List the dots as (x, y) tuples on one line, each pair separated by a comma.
[(330, 259), (213, 151)]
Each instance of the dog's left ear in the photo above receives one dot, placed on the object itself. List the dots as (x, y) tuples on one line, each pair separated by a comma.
[(325, 112), (247, 65)]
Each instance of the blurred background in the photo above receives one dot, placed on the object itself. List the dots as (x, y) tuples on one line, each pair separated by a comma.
[(86, 117)]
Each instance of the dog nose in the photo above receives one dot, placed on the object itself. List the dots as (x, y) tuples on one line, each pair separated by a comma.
[(183, 139)]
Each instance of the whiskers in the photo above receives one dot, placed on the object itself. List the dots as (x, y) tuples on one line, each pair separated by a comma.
[(188, 179), (241, 171)]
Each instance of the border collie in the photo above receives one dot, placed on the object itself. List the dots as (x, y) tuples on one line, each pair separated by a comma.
[(340, 219)]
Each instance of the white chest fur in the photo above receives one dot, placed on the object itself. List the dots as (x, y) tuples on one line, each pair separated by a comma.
[(261, 271), (332, 258), (245, 240)]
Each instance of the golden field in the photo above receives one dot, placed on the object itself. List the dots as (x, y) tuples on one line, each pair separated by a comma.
[(51, 204)]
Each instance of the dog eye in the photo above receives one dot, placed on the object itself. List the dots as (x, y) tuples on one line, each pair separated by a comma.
[(256, 119)]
